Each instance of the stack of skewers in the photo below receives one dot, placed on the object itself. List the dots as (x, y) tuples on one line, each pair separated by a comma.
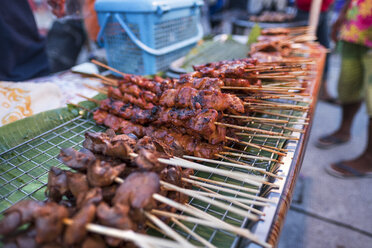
[(137, 180)]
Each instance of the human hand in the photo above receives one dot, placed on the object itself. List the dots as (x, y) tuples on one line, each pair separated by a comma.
[(58, 7)]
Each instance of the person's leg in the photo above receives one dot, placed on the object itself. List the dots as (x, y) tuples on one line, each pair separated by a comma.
[(363, 163), (350, 89), (360, 165), (322, 33)]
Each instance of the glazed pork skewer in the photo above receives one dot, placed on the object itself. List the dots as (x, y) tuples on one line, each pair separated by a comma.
[(199, 149)]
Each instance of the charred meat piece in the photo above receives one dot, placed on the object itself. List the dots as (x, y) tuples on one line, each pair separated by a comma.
[(76, 232), (77, 183), (117, 217), (275, 31), (173, 141), (21, 239), (102, 173), (137, 190), (76, 160), (49, 222), (129, 111), (57, 184), (93, 241), (20, 213), (145, 143), (100, 116), (93, 196), (101, 143), (171, 175), (108, 192), (148, 160), (219, 64)]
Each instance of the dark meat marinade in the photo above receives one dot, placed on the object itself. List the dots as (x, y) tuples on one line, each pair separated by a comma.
[(174, 141), (90, 194), (194, 121), (191, 105)]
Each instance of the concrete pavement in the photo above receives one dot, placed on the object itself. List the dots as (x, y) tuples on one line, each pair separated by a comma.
[(330, 212)]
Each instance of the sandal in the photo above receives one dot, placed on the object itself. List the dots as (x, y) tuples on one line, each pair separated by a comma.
[(327, 142), (331, 100), (353, 173)]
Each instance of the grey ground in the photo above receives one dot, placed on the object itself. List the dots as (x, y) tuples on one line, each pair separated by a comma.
[(319, 195)]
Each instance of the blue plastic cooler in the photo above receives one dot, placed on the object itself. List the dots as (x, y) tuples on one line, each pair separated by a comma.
[(144, 37)]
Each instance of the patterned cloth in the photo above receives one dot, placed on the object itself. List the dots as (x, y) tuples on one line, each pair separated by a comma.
[(23, 99), (358, 26), (19, 100)]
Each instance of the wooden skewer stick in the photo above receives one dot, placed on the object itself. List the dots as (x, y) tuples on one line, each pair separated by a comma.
[(255, 105), (256, 101), (108, 67), (150, 224), (200, 221), (283, 84), (231, 191), (257, 119), (176, 161), (239, 164), (102, 91), (246, 166), (169, 231), (267, 136), (248, 128), (79, 106), (89, 98), (235, 175), (106, 80), (284, 97), (285, 128), (187, 164), (214, 223), (139, 239), (275, 89), (233, 186), (232, 160), (275, 68), (206, 219), (255, 178), (264, 120), (238, 155), (282, 115), (241, 202), (250, 156), (256, 146), (280, 126), (195, 235), (210, 201), (222, 223), (237, 201)]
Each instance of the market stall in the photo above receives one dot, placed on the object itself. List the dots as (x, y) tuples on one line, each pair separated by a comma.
[(239, 168)]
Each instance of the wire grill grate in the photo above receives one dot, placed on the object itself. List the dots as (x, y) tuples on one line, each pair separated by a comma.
[(24, 171)]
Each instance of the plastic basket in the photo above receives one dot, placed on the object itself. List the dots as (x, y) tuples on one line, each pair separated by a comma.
[(146, 42)]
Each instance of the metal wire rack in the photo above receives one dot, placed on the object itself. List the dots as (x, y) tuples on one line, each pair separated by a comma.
[(24, 173)]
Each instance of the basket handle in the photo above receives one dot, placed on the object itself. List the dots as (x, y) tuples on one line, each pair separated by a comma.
[(161, 51), (100, 33)]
